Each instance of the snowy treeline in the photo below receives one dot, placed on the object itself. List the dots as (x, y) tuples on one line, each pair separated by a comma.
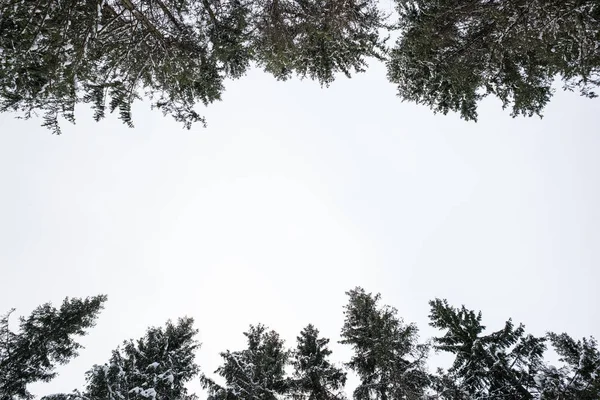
[(387, 357)]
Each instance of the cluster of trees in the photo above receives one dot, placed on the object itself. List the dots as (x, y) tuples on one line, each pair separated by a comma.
[(388, 359), (452, 53), (55, 54)]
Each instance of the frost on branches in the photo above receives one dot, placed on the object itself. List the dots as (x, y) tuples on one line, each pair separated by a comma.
[(257, 372), (156, 367), (56, 54), (387, 357), (45, 339), (453, 53)]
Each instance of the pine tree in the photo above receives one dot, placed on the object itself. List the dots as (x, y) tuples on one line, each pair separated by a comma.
[(45, 339), (42, 44), (315, 377), (317, 38), (157, 366), (255, 373), (57, 54), (453, 53), (579, 377), (502, 364), (387, 357), (176, 53)]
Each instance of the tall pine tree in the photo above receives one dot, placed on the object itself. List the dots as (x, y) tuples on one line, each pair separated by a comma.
[(56, 54), (579, 376), (45, 339), (156, 366), (317, 38), (387, 356), (315, 377), (499, 365), (453, 53), (255, 373)]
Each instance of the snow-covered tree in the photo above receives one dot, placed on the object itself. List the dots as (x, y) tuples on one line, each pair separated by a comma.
[(156, 367), (317, 38), (499, 365), (453, 53), (315, 377), (45, 339), (255, 373), (387, 357), (56, 54), (579, 377)]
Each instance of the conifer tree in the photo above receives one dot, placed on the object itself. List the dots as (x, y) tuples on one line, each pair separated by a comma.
[(255, 373), (317, 38), (56, 54), (45, 339), (387, 357), (156, 366), (315, 377), (498, 365), (453, 53), (579, 377)]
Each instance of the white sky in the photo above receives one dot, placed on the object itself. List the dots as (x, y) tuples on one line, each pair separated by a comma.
[(293, 195)]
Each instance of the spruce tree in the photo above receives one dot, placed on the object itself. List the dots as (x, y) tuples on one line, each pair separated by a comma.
[(499, 365), (453, 53), (579, 377), (255, 373), (45, 339), (315, 377), (56, 54), (317, 38), (156, 366), (387, 357)]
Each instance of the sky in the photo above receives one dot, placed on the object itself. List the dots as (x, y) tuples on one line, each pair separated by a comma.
[(293, 195)]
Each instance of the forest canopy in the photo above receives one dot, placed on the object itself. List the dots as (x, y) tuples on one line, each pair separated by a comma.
[(178, 54), (388, 357)]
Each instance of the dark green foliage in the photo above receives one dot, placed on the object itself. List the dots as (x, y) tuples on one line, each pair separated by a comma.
[(56, 54), (387, 357), (452, 53), (65, 396), (255, 373), (317, 38), (45, 339), (315, 377), (502, 364), (579, 377), (42, 44), (157, 366)]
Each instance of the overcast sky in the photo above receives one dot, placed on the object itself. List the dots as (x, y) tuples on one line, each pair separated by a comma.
[(293, 195)]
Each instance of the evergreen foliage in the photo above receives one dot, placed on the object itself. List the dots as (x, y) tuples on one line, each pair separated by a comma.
[(157, 366), (386, 356), (55, 54), (315, 377), (453, 53), (450, 54), (579, 377), (45, 339), (501, 364), (255, 373)]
